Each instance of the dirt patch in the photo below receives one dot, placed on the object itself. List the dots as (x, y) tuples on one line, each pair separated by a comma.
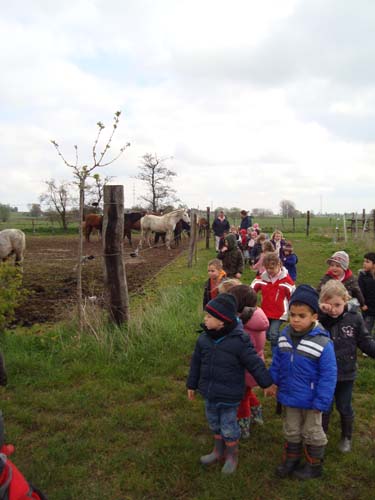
[(50, 275)]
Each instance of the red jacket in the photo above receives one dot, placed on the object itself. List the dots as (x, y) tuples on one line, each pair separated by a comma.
[(275, 293)]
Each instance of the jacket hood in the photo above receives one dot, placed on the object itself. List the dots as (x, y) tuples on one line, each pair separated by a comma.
[(231, 240), (283, 274)]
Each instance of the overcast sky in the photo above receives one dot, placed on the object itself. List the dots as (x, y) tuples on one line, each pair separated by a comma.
[(256, 101)]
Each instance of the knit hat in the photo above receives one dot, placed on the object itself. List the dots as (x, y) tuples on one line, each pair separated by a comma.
[(223, 307), (306, 294), (341, 258)]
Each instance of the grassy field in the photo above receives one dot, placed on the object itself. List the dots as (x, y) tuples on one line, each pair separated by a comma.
[(111, 420)]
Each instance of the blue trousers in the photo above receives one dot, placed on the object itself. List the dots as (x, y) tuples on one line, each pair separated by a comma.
[(223, 420), (343, 398)]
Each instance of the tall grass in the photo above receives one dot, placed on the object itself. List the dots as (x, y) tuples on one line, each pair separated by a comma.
[(110, 419)]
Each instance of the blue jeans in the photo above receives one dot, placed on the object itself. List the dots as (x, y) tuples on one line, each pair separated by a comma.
[(369, 322), (343, 398), (272, 333), (223, 420)]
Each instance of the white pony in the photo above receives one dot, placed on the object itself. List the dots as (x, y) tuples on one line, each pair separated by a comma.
[(161, 224), (12, 241)]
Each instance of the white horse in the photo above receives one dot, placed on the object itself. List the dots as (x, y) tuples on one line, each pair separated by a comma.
[(12, 241), (161, 224)]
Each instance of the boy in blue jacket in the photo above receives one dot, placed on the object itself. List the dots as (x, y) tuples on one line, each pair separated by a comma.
[(217, 371), (304, 369)]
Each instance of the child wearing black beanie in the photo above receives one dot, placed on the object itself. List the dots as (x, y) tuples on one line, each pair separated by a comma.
[(217, 372)]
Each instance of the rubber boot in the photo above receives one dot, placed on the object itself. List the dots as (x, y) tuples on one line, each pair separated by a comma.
[(345, 444), (291, 458), (231, 457), (216, 454), (325, 421), (314, 463), (244, 424)]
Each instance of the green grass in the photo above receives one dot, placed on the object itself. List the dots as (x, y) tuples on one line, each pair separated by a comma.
[(111, 420)]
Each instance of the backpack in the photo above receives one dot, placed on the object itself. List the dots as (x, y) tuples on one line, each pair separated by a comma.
[(13, 485)]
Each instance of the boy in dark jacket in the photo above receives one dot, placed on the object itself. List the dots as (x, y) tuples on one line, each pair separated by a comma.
[(217, 372), (348, 332), (232, 257), (304, 369), (339, 270), (366, 281)]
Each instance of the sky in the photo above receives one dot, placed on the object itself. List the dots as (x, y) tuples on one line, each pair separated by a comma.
[(251, 101)]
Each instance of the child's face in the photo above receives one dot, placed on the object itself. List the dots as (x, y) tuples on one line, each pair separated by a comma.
[(301, 317), (335, 305), (368, 265), (336, 270), (213, 272), (213, 323), (277, 237), (272, 270)]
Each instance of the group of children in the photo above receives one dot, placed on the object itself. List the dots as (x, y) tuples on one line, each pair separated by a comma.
[(313, 356)]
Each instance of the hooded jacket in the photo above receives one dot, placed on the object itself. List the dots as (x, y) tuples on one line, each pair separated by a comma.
[(275, 293), (366, 283), (217, 368), (232, 258), (306, 373), (348, 332)]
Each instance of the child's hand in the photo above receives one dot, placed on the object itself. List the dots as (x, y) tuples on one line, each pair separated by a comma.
[(238, 275), (191, 394), (326, 308), (271, 391), (224, 249), (364, 308)]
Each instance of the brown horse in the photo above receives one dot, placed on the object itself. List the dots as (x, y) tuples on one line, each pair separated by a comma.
[(132, 220), (93, 221), (202, 226)]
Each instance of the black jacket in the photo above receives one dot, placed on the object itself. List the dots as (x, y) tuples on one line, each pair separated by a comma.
[(367, 285), (220, 227), (348, 332), (217, 368)]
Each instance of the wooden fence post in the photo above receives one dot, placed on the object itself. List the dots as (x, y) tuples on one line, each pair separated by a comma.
[(114, 266), (294, 224), (193, 237), (308, 223), (208, 229), (345, 231)]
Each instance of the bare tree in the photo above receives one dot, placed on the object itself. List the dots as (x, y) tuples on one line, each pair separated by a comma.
[(35, 210), (81, 174), (94, 192), (157, 178), (58, 198), (287, 208)]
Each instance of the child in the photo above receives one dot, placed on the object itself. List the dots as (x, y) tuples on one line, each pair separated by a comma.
[(304, 369), (348, 332), (255, 325), (258, 266), (278, 242), (256, 250), (227, 284), (339, 270), (232, 257), (215, 277), (276, 287), (217, 371), (290, 260), (366, 282)]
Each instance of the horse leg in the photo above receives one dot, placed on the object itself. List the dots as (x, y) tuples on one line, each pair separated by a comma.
[(88, 232)]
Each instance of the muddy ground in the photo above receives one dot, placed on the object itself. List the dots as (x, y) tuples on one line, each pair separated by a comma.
[(50, 275)]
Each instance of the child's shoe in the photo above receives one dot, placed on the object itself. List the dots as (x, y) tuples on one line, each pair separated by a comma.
[(257, 415), (345, 445), (231, 457), (244, 424)]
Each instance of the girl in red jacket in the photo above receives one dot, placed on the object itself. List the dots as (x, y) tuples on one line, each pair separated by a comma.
[(255, 325)]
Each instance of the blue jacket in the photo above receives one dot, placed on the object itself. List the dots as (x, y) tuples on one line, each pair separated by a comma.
[(306, 373), (217, 368), (290, 263)]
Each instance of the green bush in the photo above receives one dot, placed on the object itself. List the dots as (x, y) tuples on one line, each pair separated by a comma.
[(11, 293)]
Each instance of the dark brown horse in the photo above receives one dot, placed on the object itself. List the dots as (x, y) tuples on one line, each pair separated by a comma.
[(181, 226), (132, 220)]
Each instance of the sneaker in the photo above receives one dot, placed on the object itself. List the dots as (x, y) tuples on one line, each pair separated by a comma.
[(345, 445), (257, 415), (244, 424)]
